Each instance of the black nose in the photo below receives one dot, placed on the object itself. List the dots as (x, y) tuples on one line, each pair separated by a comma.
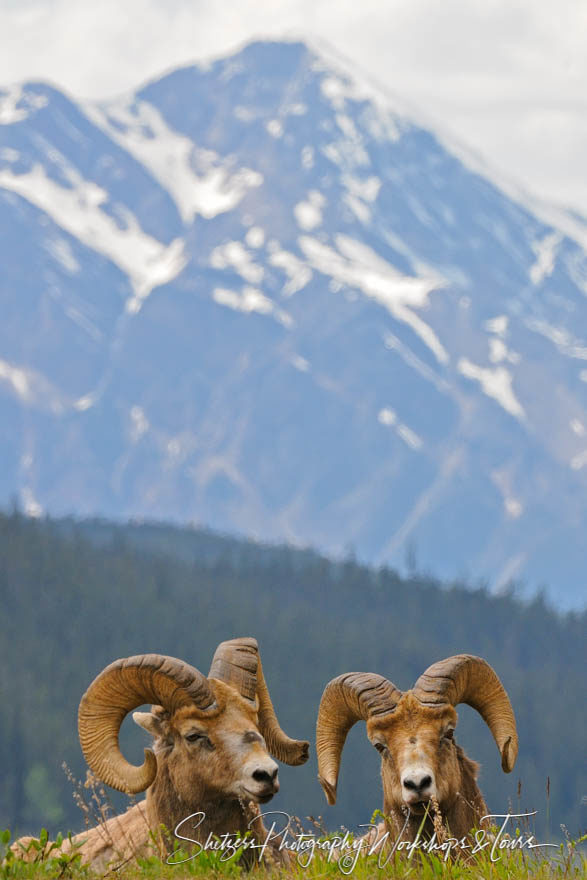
[(264, 777), (418, 785)]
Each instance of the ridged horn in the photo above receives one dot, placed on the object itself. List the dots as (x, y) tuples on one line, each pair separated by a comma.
[(351, 697), (121, 687), (237, 662), (471, 680)]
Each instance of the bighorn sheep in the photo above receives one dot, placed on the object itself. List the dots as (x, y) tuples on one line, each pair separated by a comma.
[(212, 739), (413, 731)]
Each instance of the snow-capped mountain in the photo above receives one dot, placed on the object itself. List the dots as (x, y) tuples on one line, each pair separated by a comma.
[(256, 295)]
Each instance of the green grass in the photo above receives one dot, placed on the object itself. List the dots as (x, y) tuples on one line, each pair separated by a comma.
[(44, 861)]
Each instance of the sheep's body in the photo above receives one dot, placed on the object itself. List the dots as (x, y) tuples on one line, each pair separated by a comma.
[(111, 842), (131, 835), (116, 840)]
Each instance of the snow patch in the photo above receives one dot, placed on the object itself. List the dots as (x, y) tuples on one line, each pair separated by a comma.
[(498, 325), (359, 208), (512, 505), (499, 352), (17, 378), (77, 209), (347, 152), (179, 448), (32, 388), (342, 81), (197, 180), (309, 212), (85, 402), (513, 508), (255, 237), (545, 250), (577, 266), (496, 383), (335, 90), (16, 104), (347, 126), (356, 265), (409, 437), (61, 250), (298, 273), (382, 115), (275, 128), (139, 423), (9, 110), (244, 114), (563, 340), (9, 155), (234, 255), (388, 418), (300, 363), (366, 189), (250, 300), (30, 505), (360, 194), (578, 462)]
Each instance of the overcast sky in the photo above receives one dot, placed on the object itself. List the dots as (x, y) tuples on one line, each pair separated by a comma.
[(508, 77)]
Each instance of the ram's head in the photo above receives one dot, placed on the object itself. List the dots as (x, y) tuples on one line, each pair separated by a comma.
[(211, 734), (413, 730)]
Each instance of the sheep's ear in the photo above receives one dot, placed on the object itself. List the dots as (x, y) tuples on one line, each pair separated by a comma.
[(149, 722)]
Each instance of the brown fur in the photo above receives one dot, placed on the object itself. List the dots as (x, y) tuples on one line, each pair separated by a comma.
[(205, 776), (416, 733), (112, 841)]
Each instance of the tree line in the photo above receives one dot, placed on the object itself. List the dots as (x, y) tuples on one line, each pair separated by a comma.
[(76, 595)]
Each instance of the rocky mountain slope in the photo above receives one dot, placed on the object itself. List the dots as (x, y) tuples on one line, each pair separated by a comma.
[(255, 295)]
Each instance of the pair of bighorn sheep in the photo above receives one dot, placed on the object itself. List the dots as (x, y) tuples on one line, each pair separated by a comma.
[(213, 738)]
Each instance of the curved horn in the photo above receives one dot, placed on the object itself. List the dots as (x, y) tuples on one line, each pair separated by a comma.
[(468, 679), (281, 746), (121, 687), (349, 698), (235, 662), (238, 663)]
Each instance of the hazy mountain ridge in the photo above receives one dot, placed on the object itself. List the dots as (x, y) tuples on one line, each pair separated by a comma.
[(269, 302)]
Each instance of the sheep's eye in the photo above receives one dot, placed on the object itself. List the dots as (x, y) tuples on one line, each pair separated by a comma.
[(251, 736), (195, 736), (448, 733), (381, 748)]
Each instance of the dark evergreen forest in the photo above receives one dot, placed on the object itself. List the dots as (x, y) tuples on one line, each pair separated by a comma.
[(76, 595)]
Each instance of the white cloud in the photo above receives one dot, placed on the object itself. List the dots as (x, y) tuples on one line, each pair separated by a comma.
[(506, 76)]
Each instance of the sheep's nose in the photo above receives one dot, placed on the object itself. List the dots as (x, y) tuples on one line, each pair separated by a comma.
[(264, 777), (418, 785)]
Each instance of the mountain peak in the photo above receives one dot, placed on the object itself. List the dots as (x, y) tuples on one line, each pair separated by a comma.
[(255, 295)]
